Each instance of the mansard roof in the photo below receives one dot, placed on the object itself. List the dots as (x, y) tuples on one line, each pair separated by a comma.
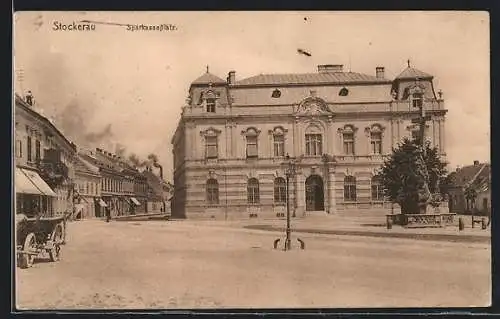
[(412, 73), (208, 78), (311, 78)]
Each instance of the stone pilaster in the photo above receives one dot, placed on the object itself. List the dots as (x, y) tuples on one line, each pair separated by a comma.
[(441, 136), (330, 138), (301, 197), (331, 191), (296, 137), (191, 141)]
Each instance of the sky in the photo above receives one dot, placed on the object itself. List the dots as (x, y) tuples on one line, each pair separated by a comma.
[(112, 85)]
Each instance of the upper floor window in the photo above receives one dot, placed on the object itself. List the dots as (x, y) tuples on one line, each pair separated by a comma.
[(211, 136), (279, 190), (212, 189), (19, 148), (377, 189), (252, 146), (29, 149), (417, 100), (347, 136), (253, 196), (375, 133), (350, 188), (252, 149), (279, 145), (376, 142), (251, 137), (211, 149), (210, 105), (314, 146), (348, 143), (344, 92), (37, 150)]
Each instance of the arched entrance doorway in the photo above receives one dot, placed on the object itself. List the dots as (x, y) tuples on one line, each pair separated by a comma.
[(315, 199)]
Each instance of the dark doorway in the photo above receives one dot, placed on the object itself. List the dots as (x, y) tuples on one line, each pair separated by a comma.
[(315, 199)]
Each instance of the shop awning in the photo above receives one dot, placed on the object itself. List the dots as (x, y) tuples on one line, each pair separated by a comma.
[(38, 187), (39, 182), (102, 203), (135, 201), (24, 185)]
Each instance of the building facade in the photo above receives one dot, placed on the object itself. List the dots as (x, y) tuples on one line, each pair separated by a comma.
[(477, 177), (232, 139), (87, 190), (44, 160), (123, 188), (159, 192)]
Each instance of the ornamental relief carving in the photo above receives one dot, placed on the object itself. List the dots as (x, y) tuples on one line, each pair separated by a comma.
[(210, 132), (251, 131), (374, 128), (348, 128), (313, 106)]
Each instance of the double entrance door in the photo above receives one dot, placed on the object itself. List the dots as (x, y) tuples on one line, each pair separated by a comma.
[(315, 196)]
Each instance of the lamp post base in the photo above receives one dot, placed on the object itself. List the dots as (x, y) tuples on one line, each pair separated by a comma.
[(287, 244)]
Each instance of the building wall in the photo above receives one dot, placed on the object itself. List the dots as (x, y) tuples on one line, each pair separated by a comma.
[(30, 125), (483, 202), (230, 124), (89, 188)]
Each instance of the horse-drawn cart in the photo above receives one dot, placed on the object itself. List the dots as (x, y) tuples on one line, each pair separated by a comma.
[(38, 236)]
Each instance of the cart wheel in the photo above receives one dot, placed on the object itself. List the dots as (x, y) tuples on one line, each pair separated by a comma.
[(57, 234), (55, 252), (26, 260)]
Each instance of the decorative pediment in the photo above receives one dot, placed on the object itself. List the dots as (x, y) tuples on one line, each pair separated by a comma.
[(349, 128), (374, 128), (313, 106), (208, 94), (278, 130), (251, 131), (210, 132)]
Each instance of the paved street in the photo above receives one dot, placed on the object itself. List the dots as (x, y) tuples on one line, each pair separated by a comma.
[(189, 264)]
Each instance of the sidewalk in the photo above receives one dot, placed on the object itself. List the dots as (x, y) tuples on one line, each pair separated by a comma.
[(369, 228)]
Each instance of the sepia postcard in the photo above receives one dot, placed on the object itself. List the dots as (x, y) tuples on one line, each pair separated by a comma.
[(251, 160)]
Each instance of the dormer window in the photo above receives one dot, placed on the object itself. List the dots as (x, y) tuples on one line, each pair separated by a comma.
[(210, 105), (417, 100), (344, 92)]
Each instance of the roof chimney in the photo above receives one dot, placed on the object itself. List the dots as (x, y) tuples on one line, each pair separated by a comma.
[(476, 163), (330, 68), (231, 78), (379, 71)]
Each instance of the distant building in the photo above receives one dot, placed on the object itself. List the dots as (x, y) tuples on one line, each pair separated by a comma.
[(159, 192), (476, 177), (230, 144), (88, 202), (44, 160), (123, 187)]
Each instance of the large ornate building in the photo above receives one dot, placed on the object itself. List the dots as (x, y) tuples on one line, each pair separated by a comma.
[(233, 136)]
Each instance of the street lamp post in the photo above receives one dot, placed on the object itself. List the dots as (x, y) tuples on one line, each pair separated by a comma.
[(290, 171)]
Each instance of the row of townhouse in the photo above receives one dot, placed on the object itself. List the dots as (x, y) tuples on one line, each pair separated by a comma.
[(54, 177), (116, 186)]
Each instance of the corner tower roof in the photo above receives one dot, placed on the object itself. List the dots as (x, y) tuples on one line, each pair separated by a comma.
[(208, 78), (412, 73)]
